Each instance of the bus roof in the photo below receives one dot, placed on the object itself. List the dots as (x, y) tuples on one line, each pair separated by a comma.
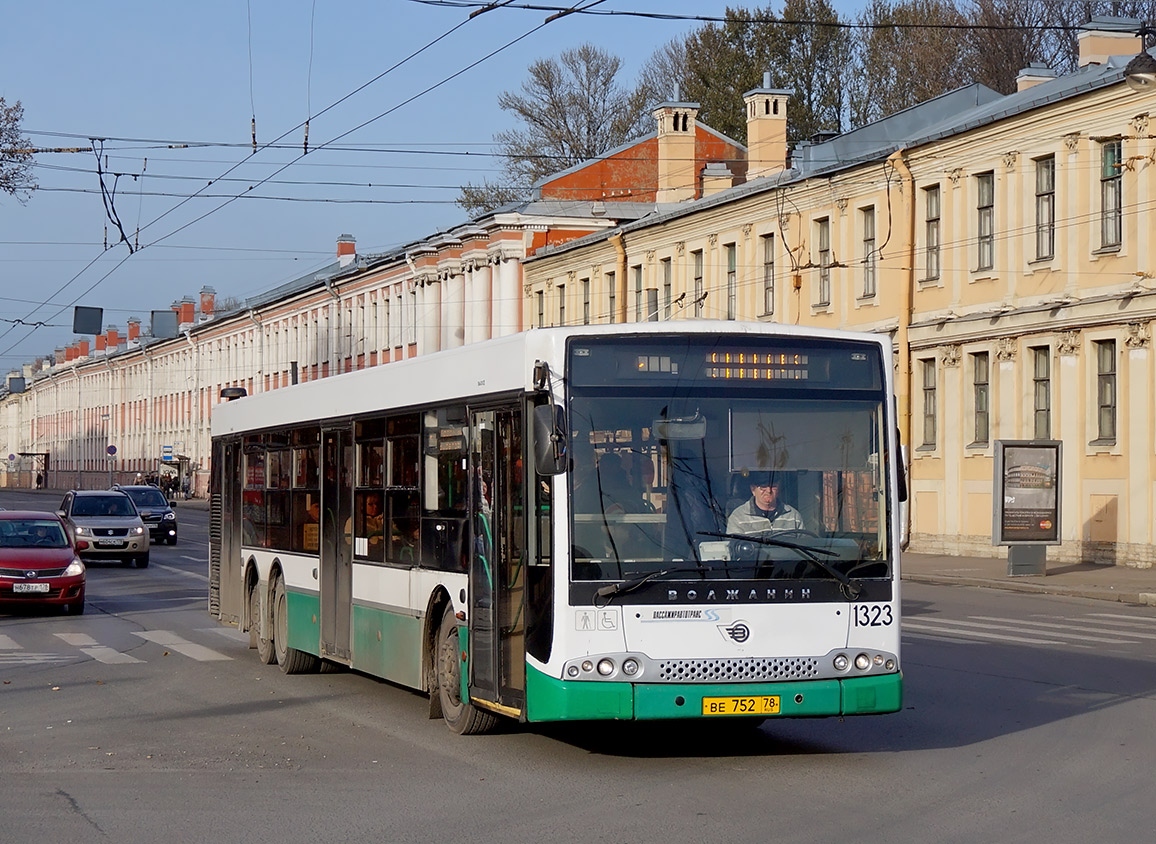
[(491, 367)]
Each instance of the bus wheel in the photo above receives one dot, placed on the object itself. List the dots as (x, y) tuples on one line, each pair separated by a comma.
[(263, 645), (460, 715), (291, 660)]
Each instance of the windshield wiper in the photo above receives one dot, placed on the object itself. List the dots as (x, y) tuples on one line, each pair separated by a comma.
[(627, 586), (851, 589)]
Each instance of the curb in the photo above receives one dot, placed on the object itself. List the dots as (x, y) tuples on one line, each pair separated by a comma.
[(1097, 593)]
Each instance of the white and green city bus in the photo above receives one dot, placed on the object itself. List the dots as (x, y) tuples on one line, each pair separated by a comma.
[(537, 527)]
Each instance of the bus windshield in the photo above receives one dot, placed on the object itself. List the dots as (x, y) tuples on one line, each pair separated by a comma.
[(763, 460)]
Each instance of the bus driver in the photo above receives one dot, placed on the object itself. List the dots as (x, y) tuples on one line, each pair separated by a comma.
[(764, 510)]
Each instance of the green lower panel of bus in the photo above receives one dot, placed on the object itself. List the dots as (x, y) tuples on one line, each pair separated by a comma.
[(304, 617), (387, 644), (548, 699)]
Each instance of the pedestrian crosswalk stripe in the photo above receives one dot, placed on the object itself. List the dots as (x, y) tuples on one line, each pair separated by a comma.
[(967, 634), (182, 646), (1055, 630), (1116, 618), (99, 652), (7, 643), (21, 657)]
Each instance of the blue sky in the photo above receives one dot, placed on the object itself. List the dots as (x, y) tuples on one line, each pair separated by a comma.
[(161, 74)]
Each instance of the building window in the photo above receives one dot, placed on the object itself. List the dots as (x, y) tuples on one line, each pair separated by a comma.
[(1111, 182), (613, 297), (541, 297), (928, 367), (1045, 207), (667, 290), (768, 274), (980, 393), (985, 220), (868, 252), (1106, 390), (585, 301), (1041, 393), (699, 294), (824, 291), (732, 280), (561, 304), (931, 232), (639, 300), (412, 327)]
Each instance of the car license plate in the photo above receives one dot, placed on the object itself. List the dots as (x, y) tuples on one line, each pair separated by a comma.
[(746, 705), (29, 587), (109, 542)]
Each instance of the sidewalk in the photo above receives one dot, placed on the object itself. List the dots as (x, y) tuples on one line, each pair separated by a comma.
[(1081, 580)]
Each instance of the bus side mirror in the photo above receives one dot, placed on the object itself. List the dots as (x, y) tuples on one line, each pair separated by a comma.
[(549, 440)]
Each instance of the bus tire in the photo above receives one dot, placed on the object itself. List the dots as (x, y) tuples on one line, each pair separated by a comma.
[(291, 660), (461, 716), (263, 645)]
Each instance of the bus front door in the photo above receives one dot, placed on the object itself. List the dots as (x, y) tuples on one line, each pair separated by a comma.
[(496, 615), (335, 578)]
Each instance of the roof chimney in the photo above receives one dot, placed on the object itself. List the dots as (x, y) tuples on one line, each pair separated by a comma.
[(677, 158), (99, 343), (188, 312), (1103, 37), (70, 352), (208, 303), (346, 250), (766, 129), (133, 329), (113, 338), (716, 177), (1033, 75), (82, 349)]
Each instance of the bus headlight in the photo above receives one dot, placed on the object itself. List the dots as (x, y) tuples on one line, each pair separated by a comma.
[(587, 665), (841, 662), (862, 662), (572, 671), (630, 667), (605, 667)]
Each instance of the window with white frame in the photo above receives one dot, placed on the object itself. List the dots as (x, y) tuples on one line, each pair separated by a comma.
[(667, 288), (931, 232), (1111, 195), (585, 301), (927, 366), (1045, 207), (561, 304), (639, 296), (1106, 391), (696, 268), (985, 220), (981, 393), (868, 217), (540, 296), (732, 280), (612, 297), (768, 274), (823, 293), (1041, 392)]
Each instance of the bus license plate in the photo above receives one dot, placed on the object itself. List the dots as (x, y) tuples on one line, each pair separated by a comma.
[(753, 705), (29, 587)]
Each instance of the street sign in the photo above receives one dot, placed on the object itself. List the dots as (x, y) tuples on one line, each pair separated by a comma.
[(111, 450), (167, 453)]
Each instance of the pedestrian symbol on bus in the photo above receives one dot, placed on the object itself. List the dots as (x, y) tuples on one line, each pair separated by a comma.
[(584, 619)]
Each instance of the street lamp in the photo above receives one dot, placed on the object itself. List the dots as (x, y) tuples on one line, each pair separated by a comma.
[(1140, 73)]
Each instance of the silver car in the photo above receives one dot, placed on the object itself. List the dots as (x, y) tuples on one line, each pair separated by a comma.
[(106, 526)]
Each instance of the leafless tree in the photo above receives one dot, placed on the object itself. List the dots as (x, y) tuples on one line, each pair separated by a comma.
[(16, 160), (570, 109)]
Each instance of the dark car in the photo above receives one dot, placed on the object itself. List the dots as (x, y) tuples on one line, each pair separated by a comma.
[(109, 525), (155, 511), (39, 565)]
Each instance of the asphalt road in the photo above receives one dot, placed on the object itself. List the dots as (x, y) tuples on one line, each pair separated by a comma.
[(1027, 718)]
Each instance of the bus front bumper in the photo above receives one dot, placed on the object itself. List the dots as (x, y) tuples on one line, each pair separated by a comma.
[(550, 699)]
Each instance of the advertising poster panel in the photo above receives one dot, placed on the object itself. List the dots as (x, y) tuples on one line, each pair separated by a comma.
[(1027, 493)]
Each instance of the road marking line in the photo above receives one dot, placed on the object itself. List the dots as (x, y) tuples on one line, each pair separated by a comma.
[(169, 639), (101, 653), (185, 572), (25, 658), (7, 643), (969, 633), (1125, 619), (228, 632), (1056, 632), (194, 559)]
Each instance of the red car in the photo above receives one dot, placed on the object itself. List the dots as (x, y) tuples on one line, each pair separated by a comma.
[(39, 565)]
